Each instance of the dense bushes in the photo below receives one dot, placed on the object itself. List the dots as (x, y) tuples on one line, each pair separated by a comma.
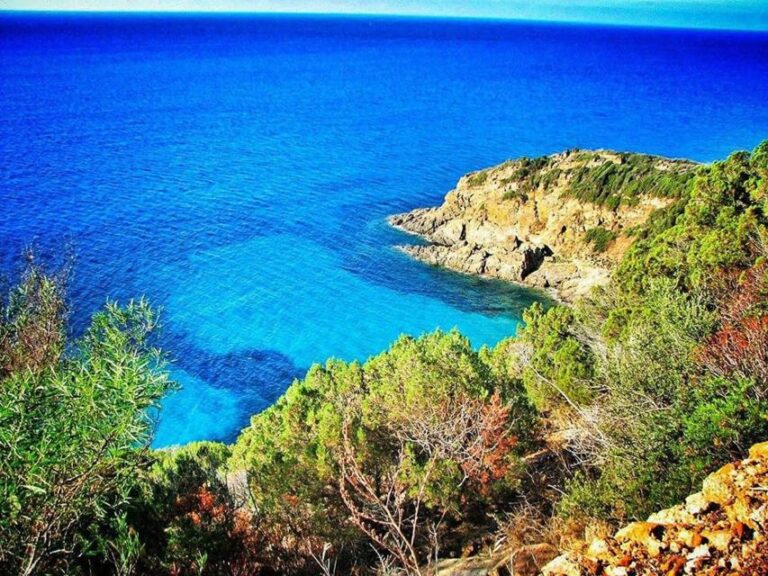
[(678, 350), (191, 517), (554, 364), (74, 428), (605, 178), (678, 391), (625, 178), (721, 226), (392, 451), (644, 378)]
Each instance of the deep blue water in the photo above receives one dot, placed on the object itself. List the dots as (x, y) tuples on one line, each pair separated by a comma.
[(238, 170)]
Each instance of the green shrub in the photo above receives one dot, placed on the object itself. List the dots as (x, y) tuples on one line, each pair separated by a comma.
[(478, 178), (660, 424), (531, 173), (560, 366), (515, 195), (611, 181), (33, 323), (600, 238), (191, 517), (615, 182), (74, 426)]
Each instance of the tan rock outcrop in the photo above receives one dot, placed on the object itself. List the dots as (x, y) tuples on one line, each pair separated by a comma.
[(722, 530), (523, 221)]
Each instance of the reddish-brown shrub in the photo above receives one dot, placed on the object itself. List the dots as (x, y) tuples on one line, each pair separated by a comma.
[(740, 345)]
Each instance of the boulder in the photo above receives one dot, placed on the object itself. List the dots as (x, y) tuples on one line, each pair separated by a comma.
[(527, 561), (562, 566)]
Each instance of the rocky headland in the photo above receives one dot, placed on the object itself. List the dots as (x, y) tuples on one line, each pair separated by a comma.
[(559, 222)]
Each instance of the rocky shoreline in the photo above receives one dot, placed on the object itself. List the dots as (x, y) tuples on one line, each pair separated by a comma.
[(535, 223)]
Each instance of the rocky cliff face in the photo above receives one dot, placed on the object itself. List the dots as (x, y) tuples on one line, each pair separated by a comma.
[(557, 222)]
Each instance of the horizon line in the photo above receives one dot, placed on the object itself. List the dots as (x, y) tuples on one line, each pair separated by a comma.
[(563, 21)]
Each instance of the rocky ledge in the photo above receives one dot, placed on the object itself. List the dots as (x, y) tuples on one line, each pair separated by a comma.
[(559, 222), (721, 530)]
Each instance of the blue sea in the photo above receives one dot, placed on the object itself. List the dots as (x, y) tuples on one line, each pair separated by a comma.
[(238, 170)]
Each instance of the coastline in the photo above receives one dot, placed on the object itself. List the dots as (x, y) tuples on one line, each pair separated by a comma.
[(411, 250), (538, 224)]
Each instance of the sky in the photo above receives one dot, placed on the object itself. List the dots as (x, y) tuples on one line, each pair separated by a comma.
[(732, 14)]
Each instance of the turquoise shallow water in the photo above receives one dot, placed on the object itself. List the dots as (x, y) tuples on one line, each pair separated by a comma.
[(308, 295), (297, 306), (239, 170)]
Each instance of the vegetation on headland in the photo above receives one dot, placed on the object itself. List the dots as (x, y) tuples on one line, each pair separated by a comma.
[(592, 415), (611, 179), (627, 178)]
